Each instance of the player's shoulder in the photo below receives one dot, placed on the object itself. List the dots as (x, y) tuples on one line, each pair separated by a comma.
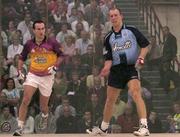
[(131, 27), (108, 34)]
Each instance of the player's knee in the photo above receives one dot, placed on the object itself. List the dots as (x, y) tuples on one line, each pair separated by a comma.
[(136, 95)]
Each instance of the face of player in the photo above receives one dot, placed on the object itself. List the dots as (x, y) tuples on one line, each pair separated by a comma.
[(115, 17), (39, 31)]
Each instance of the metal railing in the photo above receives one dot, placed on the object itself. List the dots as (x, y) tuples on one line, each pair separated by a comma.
[(152, 22)]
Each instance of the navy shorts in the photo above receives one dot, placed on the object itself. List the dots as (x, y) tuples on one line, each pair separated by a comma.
[(121, 74)]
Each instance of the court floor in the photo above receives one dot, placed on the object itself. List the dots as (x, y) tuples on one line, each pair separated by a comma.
[(86, 135)]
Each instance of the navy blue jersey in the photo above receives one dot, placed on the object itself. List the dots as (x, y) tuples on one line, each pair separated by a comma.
[(122, 47)]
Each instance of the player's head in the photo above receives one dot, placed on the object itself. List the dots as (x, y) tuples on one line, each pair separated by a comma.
[(115, 16), (39, 29)]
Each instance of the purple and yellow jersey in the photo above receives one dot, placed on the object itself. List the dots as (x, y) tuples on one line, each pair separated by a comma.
[(41, 56)]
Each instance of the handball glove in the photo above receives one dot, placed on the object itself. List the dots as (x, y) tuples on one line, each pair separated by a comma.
[(52, 70), (139, 63), (20, 75)]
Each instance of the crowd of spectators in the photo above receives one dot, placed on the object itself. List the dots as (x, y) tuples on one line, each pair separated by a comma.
[(78, 92)]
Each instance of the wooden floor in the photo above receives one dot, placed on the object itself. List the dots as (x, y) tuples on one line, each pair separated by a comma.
[(86, 135)]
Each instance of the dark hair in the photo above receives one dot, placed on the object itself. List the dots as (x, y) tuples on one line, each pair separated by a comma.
[(113, 8), (37, 21), (5, 86)]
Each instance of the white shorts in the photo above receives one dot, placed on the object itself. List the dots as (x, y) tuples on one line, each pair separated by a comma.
[(44, 83)]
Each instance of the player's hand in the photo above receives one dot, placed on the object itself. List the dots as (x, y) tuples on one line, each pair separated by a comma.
[(20, 75), (104, 72), (139, 63), (52, 70)]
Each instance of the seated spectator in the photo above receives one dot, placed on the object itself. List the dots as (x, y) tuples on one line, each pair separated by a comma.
[(13, 73), (96, 108), (11, 30), (15, 48), (80, 18), (128, 120), (169, 125), (66, 123), (92, 11), (77, 4), (90, 78), (69, 45), (82, 43), (59, 88), (10, 95), (60, 37), (154, 55), (71, 18), (154, 123), (51, 125), (98, 89), (8, 123), (76, 91), (176, 116), (25, 27), (59, 109), (59, 15), (85, 122)]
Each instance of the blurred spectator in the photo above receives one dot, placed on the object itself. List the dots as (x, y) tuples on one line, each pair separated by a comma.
[(176, 116), (8, 123), (79, 27), (59, 87), (66, 123), (13, 72), (10, 95), (25, 27), (80, 18), (4, 40), (60, 16), (90, 57), (98, 89), (154, 123), (92, 11), (128, 120), (69, 45), (76, 92), (73, 16), (96, 108), (91, 77), (65, 102), (77, 4), (11, 30), (51, 126), (169, 53), (154, 54), (105, 5), (82, 43), (15, 48), (169, 125), (60, 37), (85, 122)]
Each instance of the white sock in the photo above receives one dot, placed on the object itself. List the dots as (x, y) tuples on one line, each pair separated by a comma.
[(104, 125), (143, 121), (44, 115), (20, 123)]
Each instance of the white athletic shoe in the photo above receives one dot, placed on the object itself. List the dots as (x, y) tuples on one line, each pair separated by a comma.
[(143, 131), (96, 131)]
